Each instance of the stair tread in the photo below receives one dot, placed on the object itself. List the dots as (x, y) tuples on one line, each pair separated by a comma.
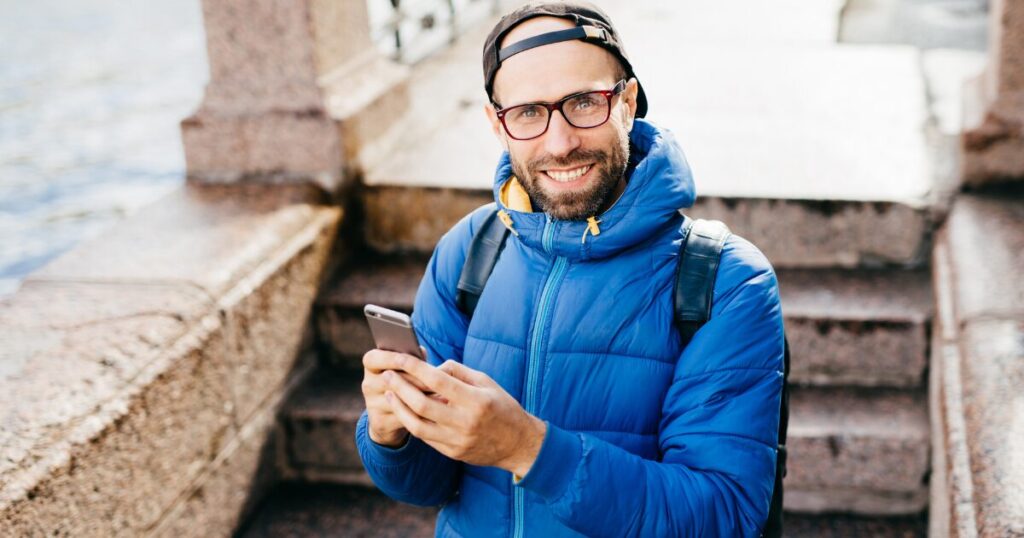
[(844, 525), (848, 448), (327, 510), (877, 413), (847, 327), (870, 295), (865, 294)]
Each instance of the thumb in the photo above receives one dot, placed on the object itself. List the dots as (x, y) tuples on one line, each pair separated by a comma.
[(466, 374)]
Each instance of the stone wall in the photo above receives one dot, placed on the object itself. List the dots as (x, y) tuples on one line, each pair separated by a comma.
[(141, 372)]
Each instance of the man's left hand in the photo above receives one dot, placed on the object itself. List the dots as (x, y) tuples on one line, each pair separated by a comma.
[(480, 424)]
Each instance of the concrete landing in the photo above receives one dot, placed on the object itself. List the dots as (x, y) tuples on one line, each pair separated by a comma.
[(773, 115)]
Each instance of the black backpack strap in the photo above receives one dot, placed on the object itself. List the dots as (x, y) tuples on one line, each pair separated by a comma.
[(773, 526), (703, 241), (483, 252)]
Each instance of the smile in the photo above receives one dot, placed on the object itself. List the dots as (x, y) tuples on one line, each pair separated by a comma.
[(566, 176)]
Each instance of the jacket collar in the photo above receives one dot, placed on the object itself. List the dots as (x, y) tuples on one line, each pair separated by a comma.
[(659, 186)]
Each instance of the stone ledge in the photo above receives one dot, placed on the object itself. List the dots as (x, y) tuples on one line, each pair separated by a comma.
[(133, 361), (979, 368)]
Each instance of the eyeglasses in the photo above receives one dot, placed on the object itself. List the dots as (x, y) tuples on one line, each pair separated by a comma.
[(584, 110)]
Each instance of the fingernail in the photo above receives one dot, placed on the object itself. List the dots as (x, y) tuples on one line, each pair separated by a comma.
[(389, 395)]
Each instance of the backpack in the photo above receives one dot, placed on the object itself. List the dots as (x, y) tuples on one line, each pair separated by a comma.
[(699, 255)]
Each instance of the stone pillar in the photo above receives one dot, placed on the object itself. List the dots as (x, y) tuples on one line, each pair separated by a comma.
[(993, 137), (297, 93)]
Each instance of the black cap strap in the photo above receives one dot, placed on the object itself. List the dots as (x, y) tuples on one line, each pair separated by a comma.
[(580, 32)]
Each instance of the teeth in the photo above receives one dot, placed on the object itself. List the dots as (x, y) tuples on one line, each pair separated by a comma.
[(567, 175)]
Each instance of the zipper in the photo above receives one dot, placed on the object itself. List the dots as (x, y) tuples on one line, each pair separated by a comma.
[(533, 358)]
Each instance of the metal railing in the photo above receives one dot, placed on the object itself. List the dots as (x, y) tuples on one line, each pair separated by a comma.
[(411, 30)]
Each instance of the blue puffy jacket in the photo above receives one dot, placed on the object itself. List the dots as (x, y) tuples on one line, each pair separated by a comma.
[(644, 438)]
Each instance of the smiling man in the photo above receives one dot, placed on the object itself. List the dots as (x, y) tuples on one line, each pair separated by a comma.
[(562, 400)]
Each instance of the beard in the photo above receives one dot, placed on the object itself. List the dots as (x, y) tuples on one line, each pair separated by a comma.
[(609, 167)]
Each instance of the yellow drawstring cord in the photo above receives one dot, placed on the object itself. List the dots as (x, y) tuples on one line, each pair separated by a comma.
[(592, 228), (506, 219)]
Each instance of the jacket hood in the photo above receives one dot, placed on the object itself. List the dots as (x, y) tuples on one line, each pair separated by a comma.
[(660, 185)]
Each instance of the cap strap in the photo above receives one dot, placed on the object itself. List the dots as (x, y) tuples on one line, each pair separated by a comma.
[(580, 32)]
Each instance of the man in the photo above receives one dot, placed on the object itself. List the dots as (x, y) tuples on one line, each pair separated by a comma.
[(568, 406)]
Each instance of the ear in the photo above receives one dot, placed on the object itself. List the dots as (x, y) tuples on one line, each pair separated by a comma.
[(496, 127), (629, 99)]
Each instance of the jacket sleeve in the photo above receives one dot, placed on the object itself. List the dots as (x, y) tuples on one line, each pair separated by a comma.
[(415, 473), (717, 437)]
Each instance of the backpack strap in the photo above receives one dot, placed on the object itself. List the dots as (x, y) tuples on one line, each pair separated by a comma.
[(699, 254), (482, 255)]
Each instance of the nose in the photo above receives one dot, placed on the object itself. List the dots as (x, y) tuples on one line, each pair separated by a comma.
[(561, 138)]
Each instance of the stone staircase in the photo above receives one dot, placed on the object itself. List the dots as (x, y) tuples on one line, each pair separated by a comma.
[(841, 197)]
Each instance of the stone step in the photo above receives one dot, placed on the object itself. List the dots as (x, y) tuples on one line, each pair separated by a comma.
[(851, 526), (327, 510), (865, 328), (862, 450)]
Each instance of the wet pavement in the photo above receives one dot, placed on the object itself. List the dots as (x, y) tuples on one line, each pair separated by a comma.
[(91, 94)]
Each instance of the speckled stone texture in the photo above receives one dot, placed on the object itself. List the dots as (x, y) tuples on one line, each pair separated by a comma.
[(296, 93), (857, 450), (993, 135), (138, 366), (980, 370), (857, 328), (792, 233), (861, 328), (301, 510)]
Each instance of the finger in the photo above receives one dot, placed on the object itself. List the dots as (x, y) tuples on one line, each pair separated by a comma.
[(411, 421), (437, 380), (466, 374), (414, 399), (414, 382), (378, 360)]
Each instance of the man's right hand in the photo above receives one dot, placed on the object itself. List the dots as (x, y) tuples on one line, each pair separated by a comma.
[(384, 427)]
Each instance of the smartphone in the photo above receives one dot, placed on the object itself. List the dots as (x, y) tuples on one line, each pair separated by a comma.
[(392, 331)]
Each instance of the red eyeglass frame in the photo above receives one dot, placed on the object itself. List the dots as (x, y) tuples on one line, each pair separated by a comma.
[(619, 87)]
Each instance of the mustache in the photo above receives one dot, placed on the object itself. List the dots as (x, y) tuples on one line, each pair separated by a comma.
[(576, 157)]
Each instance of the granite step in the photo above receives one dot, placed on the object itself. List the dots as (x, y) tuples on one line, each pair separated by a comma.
[(326, 510), (856, 450), (863, 328)]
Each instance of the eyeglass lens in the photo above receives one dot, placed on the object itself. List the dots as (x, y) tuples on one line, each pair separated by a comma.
[(582, 111)]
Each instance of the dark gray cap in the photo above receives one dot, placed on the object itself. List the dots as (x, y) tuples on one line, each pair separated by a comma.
[(592, 26)]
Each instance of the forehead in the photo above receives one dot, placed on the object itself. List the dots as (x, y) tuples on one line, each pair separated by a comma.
[(549, 72)]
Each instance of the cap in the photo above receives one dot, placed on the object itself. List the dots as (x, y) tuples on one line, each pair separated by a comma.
[(592, 26)]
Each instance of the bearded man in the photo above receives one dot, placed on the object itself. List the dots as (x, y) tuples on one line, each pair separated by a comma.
[(568, 404)]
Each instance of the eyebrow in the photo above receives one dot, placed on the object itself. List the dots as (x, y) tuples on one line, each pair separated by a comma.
[(585, 90)]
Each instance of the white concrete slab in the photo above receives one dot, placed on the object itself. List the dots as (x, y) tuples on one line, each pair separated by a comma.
[(758, 116)]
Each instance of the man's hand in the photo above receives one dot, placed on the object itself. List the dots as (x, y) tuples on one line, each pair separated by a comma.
[(384, 427), (479, 423)]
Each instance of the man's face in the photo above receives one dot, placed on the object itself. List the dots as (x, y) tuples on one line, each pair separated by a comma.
[(570, 173)]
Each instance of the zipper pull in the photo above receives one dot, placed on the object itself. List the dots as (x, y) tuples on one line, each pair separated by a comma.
[(506, 219), (592, 228)]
